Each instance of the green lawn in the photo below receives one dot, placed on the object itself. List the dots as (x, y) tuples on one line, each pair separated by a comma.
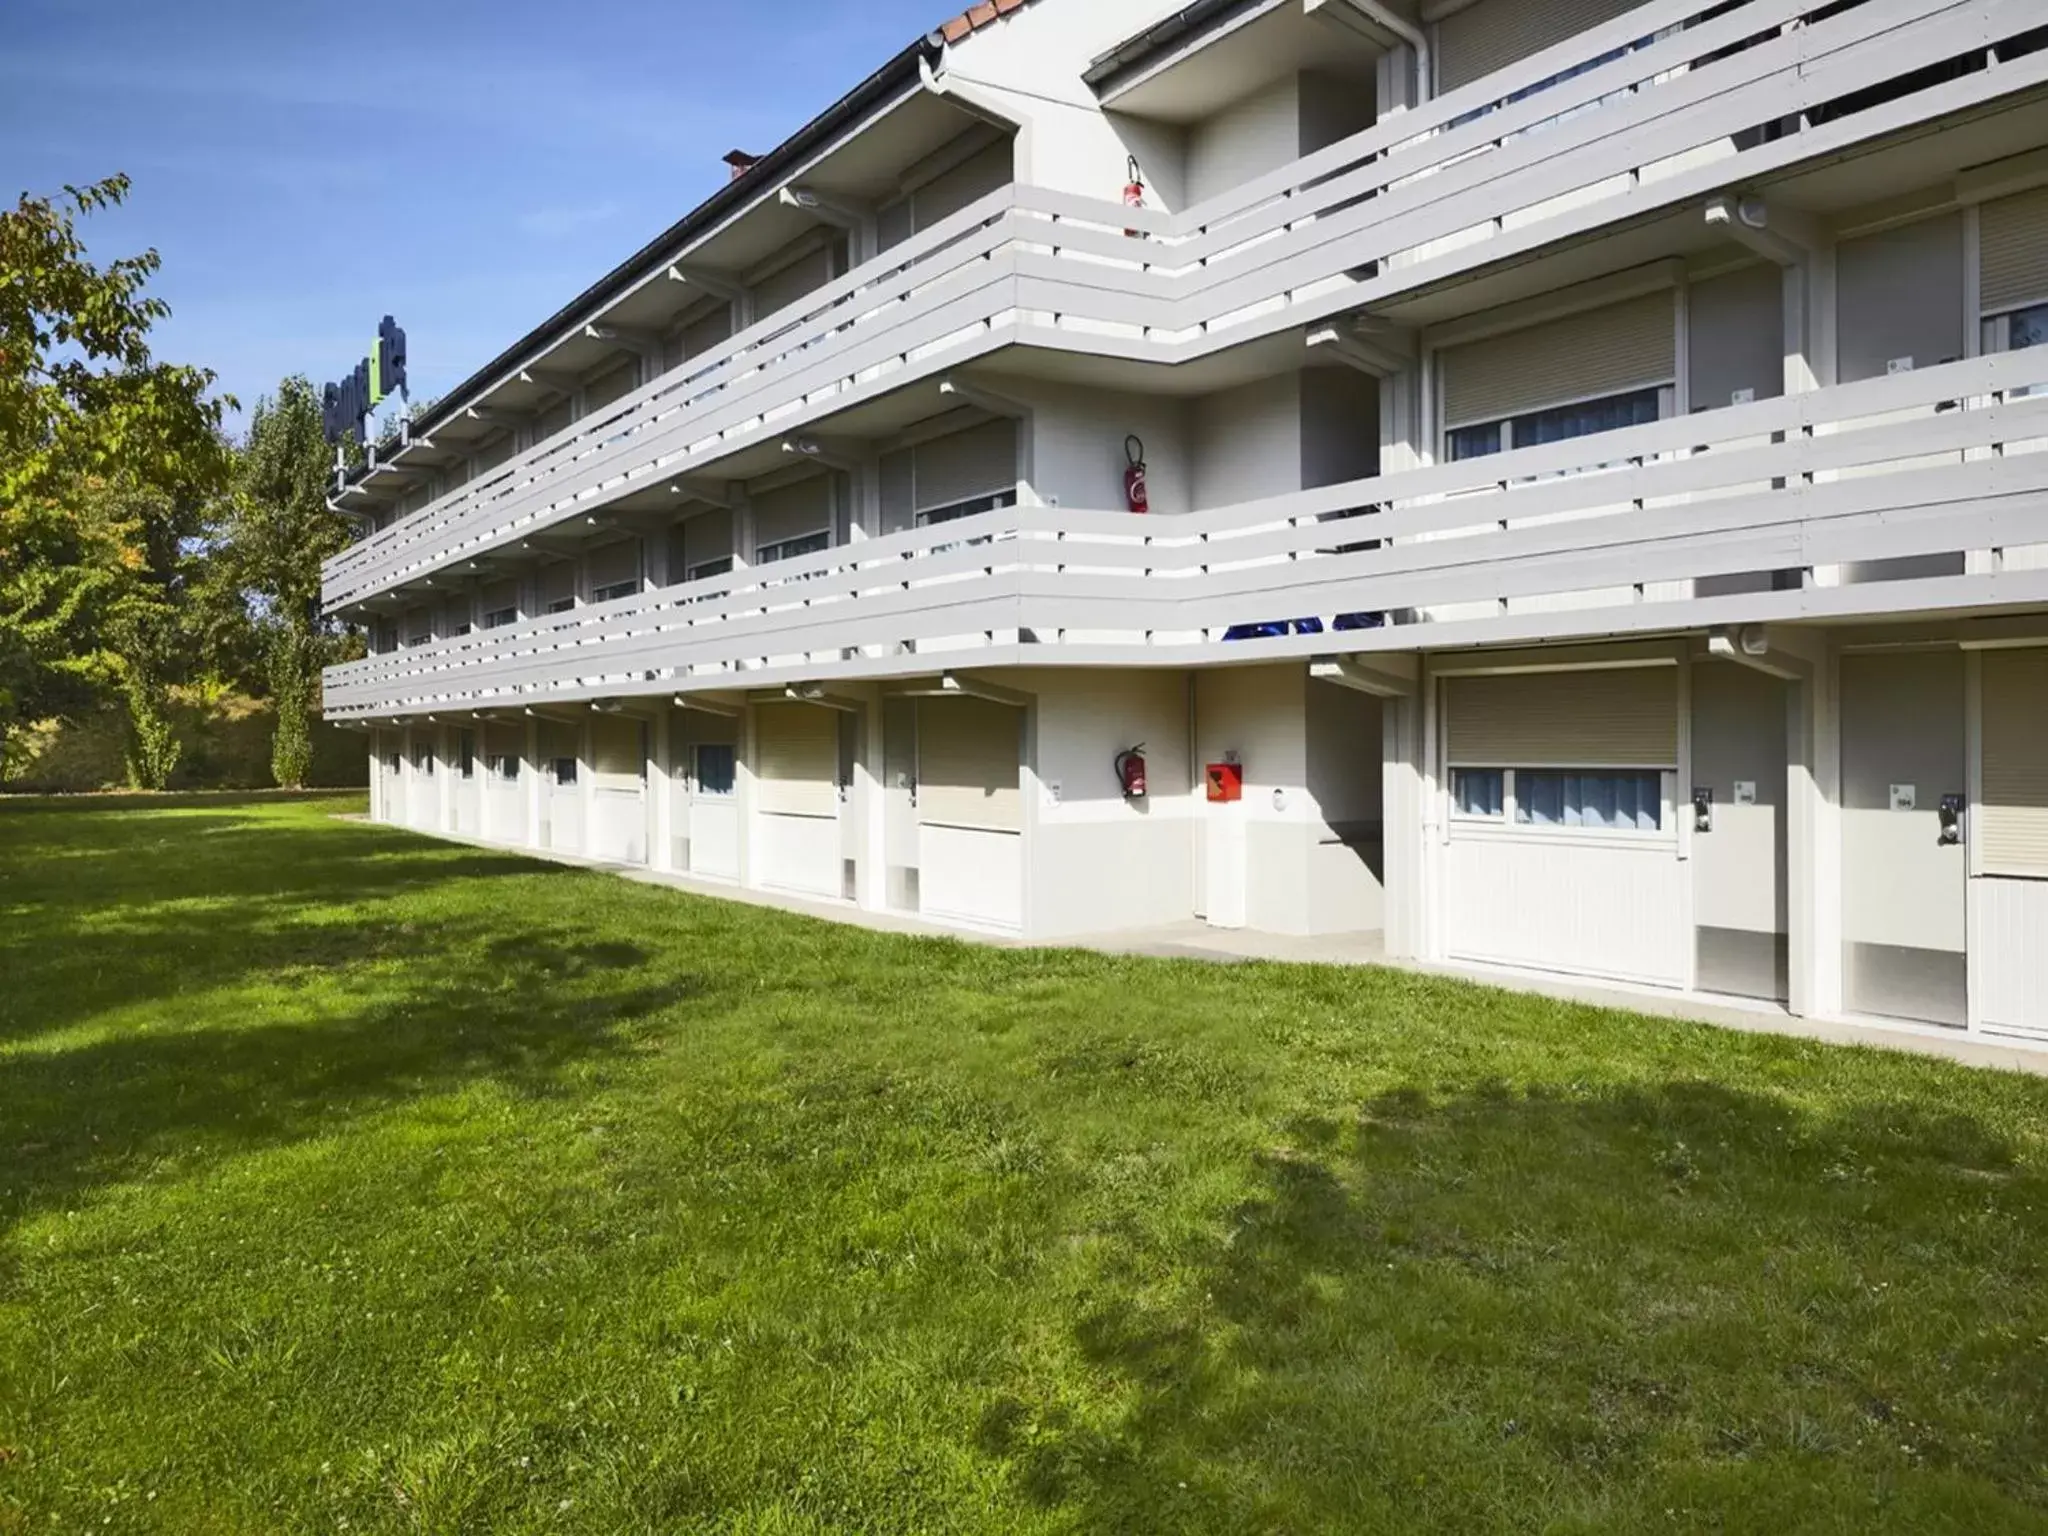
[(353, 1182)]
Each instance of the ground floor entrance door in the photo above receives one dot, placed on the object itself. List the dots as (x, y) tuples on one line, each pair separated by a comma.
[(1904, 871), (1738, 845)]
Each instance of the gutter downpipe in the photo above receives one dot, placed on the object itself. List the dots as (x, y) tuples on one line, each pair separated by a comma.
[(1415, 37)]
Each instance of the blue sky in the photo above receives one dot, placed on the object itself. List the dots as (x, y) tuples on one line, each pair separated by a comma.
[(467, 167)]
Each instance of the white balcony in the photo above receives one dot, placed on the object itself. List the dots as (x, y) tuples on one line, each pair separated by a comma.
[(1555, 146), (1939, 467)]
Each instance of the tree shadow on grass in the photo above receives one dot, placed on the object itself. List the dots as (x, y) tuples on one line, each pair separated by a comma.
[(128, 910), (517, 1010), (1681, 1306)]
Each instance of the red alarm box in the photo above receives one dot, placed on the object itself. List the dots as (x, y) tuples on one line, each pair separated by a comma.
[(1226, 781)]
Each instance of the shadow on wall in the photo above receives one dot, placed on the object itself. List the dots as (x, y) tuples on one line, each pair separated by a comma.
[(1665, 1308)]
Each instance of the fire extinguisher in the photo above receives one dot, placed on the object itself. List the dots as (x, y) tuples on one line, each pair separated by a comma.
[(1130, 771), (1134, 189), (1135, 498)]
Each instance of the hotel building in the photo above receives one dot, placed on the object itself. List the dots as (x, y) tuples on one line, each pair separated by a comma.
[(1589, 467)]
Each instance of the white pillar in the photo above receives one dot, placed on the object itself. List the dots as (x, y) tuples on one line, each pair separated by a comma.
[(1401, 824), (661, 785)]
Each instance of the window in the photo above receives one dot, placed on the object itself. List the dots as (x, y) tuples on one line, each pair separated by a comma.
[(1554, 424), (560, 605), (459, 630), (1477, 792), (498, 618), (613, 590), (564, 770), (2015, 331), (503, 765), (1603, 801), (1579, 799), (465, 753), (713, 768), (722, 566), (789, 549), (422, 638), (967, 508), (423, 762)]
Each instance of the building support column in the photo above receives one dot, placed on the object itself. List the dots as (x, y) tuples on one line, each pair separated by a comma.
[(1813, 848), (533, 785), (661, 785)]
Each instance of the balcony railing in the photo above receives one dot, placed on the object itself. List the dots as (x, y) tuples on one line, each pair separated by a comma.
[(1619, 532), (1701, 96)]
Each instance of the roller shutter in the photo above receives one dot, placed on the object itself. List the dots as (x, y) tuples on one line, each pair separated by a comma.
[(796, 760), (616, 752), (504, 741), (977, 462), (967, 751), (785, 285), (793, 511), (608, 387), (500, 595), (701, 335), (615, 564), (1617, 718), (555, 418), (1495, 33), (2013, 237), (951, 190), (1626, 346), (2012, 831), (699, 541), (557, 582)]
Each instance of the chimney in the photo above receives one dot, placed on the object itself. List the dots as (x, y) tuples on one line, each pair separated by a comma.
[(740, 162)]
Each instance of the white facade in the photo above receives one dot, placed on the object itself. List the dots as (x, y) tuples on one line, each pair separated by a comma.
[(1595, 507)]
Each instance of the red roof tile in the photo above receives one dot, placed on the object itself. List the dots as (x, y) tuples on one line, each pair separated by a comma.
[(975, 17)]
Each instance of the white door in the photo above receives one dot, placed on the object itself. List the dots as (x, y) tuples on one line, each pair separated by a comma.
[(970, 812), (1738, 857), (618, 805), (796, 798), (1903, 874)]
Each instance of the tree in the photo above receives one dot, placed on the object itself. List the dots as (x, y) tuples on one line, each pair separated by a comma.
[(99, 442), (280, 531)]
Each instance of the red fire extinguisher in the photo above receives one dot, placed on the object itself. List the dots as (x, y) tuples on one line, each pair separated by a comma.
[(1134, 188), (1130, 771), (1135, 498)]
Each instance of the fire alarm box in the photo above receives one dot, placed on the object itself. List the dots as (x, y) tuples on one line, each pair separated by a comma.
[(1226, 781)]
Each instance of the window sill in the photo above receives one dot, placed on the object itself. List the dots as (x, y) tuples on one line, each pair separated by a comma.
[(1475, 830)]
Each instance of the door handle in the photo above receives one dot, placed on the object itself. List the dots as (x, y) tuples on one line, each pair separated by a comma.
[(1951, 812), (1703, 808)]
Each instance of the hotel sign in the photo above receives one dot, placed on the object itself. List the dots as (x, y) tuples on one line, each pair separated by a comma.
[(345, 407)]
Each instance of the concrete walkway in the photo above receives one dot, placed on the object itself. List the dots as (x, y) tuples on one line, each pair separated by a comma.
[(1196, 940)]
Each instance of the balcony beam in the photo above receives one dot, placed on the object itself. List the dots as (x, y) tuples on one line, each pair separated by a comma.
[(642, 341), (1390, 676), (1761, 649), (833, 452), (703, 706), (1368, 343), (1779, 234), (728, 494), (839, 212), (558, 380)]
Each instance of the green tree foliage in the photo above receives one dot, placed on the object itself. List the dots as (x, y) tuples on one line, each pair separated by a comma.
[(279, 531), (106, 455)]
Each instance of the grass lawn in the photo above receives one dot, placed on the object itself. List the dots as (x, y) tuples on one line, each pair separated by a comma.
[(355, 1182)]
